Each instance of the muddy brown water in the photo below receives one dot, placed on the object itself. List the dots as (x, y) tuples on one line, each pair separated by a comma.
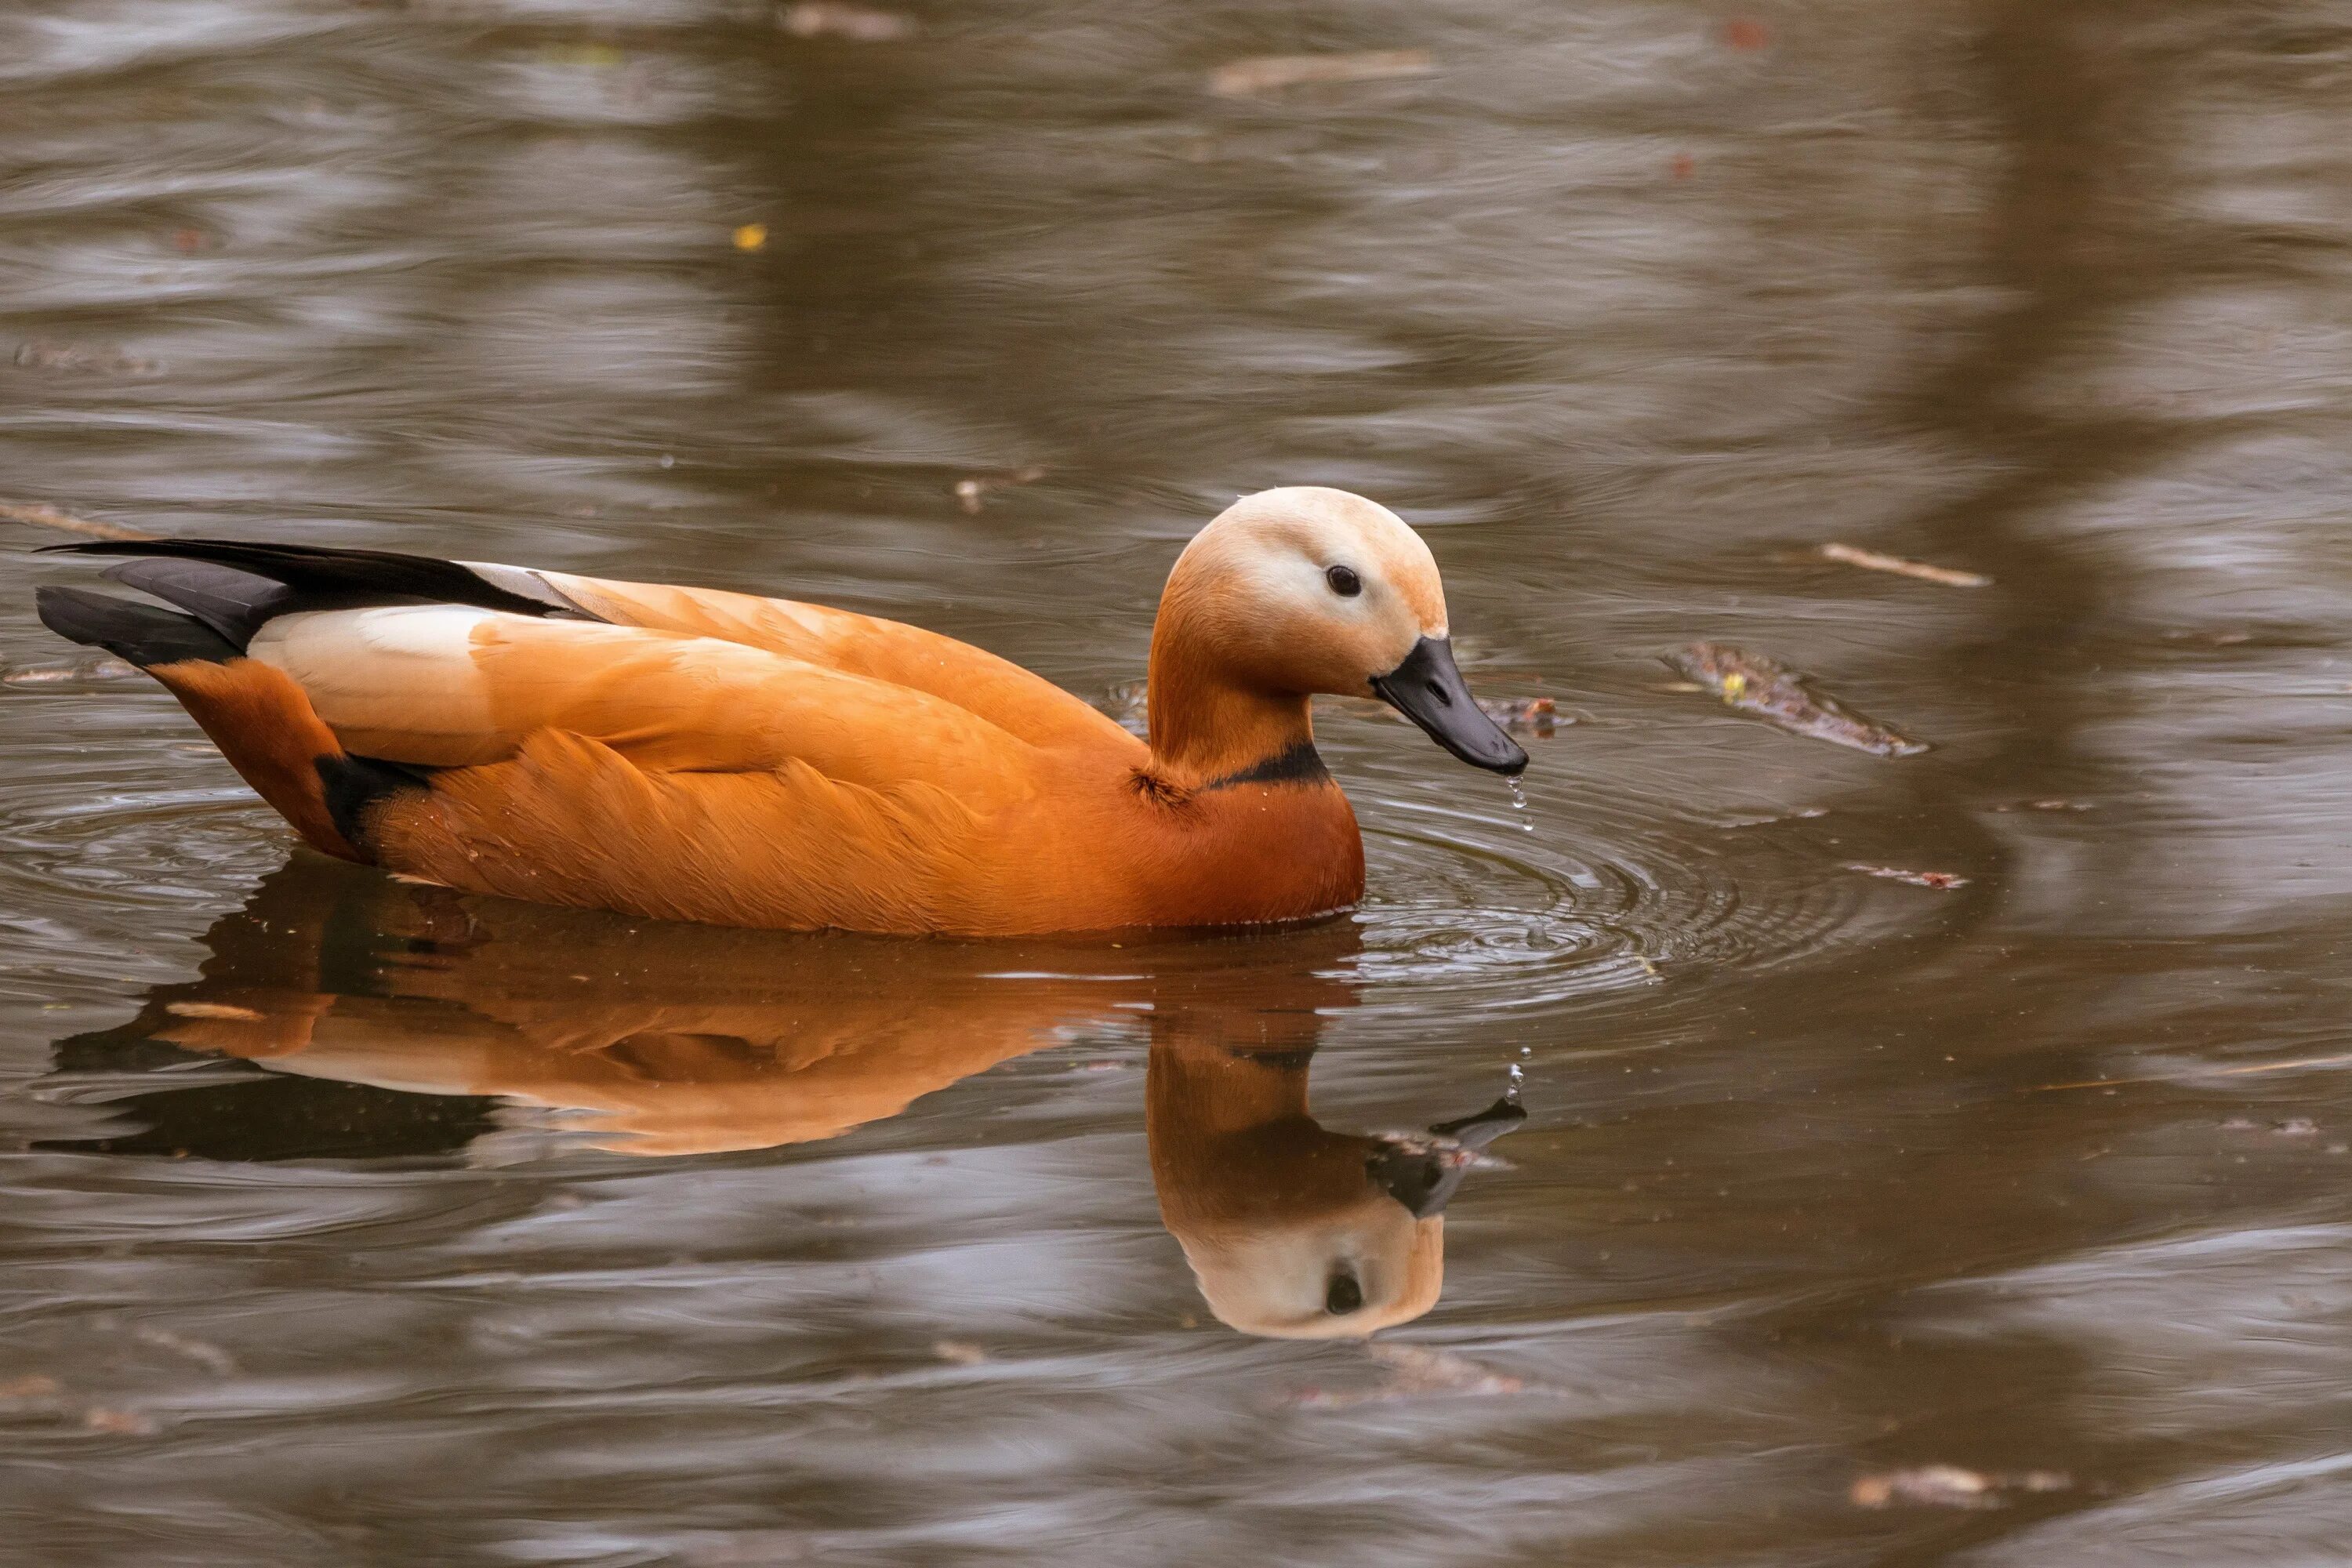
[(351, 1223)]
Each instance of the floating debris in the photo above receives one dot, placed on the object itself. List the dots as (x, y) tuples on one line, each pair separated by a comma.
[(1747, 34), (1271, 73), (750, 237), (36, 1388), (83, 359), (1943, 881), (41, 516), (1871, 559), (1950, 1486), (2052, 805), (829, 19), (968, 491), (959, 1353), (1772, 691), (1537, 715)]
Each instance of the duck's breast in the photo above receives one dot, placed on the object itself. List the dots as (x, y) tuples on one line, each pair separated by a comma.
[(1237, 854)]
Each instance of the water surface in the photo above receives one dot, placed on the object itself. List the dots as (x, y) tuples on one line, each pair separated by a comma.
[(346, 1222)]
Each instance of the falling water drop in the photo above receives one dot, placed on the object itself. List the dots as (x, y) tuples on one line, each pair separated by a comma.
[(1517, 1079), (1519, 803)]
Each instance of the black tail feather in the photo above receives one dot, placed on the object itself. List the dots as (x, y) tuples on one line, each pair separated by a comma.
[(233, 603), (143, 633), (317, 577)]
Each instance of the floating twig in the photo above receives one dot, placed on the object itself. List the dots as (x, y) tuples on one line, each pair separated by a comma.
[(1871, 559)]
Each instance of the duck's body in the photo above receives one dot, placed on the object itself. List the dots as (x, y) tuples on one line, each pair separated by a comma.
[(699, 755)]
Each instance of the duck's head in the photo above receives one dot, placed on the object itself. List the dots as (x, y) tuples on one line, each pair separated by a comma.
[(1304, 590)]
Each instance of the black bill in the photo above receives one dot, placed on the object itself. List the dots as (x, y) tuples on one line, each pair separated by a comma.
[(1428, 689), (1421, 1177)]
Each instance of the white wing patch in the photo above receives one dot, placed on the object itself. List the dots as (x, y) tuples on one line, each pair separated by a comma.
[(398, 681)]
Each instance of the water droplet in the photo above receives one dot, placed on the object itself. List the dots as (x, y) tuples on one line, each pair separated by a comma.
[(1519, 803), (1518, 1077)]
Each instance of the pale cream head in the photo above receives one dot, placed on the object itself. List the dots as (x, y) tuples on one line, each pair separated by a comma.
[(1267, 585)]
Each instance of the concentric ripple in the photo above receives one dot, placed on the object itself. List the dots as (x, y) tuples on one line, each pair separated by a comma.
[(1473, 904)]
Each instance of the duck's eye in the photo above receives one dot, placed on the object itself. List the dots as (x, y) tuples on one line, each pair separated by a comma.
[(1344, 581), (1344, 1294)]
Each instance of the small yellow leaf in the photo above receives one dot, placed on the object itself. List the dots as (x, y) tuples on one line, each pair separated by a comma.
[(751, 237)]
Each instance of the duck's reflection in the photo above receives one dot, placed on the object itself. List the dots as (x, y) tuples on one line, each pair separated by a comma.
[(399, 1020)]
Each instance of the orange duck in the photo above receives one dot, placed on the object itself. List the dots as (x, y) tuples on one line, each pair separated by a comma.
[(690, 754)]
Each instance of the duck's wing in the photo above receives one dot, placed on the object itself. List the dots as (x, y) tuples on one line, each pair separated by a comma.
[(508, 744), (450, 686), (997, 690)]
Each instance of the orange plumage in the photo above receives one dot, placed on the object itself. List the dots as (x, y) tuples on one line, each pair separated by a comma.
[(698, 755)]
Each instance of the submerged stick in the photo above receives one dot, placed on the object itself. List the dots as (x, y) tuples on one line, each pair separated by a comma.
[(1871, 559), (40, 516)]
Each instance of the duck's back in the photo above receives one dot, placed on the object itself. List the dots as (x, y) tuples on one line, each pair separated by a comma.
[(1022, 703)]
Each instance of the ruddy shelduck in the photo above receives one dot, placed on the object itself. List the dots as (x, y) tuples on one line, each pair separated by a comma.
[(692, 754)]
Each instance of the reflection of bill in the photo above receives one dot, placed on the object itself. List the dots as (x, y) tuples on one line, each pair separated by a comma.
[(645, 1039)]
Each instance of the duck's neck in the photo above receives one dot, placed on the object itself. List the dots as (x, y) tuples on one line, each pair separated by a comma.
[(1209, 728)]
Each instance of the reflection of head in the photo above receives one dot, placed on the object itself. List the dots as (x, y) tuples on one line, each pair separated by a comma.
[(1330, 1277), (1293, 1231)]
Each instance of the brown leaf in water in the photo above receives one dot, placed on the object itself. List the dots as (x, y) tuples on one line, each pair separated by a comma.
[(830, 19), (36, 1386), (1772, 691), (1871, 559), (1951, 1486), (1942, 881), (1745, 33), (959, 1353), (1271, 73)]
